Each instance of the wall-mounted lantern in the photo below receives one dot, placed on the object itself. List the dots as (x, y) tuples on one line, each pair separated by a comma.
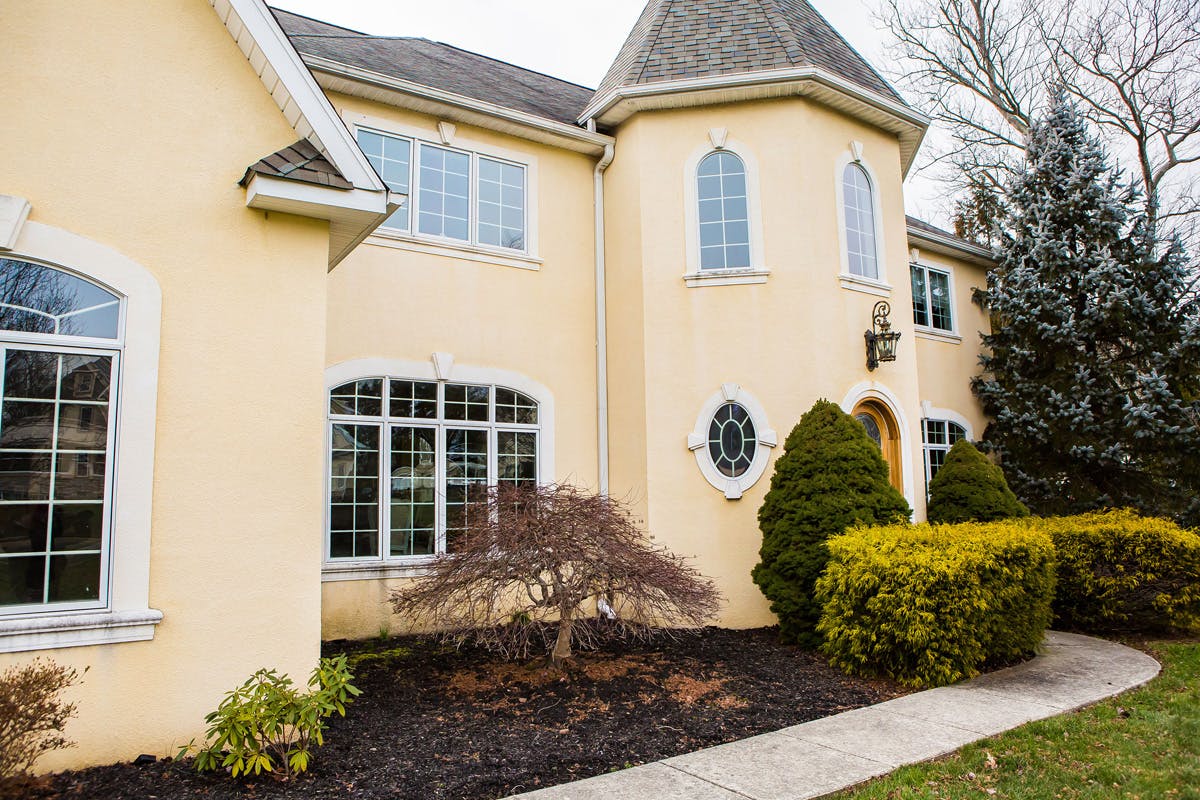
[(881, 339)]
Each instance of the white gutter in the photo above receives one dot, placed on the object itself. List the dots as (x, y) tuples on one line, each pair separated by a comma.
[(601, 323)]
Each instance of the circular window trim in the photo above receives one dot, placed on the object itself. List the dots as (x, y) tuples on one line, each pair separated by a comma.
[(765, 437)]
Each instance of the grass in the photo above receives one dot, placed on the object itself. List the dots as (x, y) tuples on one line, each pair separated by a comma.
[(1144, 745)]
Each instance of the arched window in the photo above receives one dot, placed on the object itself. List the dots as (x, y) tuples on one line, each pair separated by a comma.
[(60, 345), (938, 436), (859, 206), (883, 429), (723, 212), (411, 461)]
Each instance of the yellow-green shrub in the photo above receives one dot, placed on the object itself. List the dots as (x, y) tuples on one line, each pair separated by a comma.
[(1118, 571), (928, 605)]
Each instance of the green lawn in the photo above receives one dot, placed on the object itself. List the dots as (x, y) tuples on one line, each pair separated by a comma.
[(1144, 744)]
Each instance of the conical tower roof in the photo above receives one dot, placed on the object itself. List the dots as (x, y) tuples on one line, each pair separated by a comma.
[(680, 39)]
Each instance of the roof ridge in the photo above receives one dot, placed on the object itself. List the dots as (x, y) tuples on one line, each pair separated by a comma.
[(861, 58), (787, 37), (647, 46)]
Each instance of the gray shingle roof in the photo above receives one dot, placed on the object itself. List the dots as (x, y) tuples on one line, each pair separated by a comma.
[(675, 39), (439, 66), (299, 162)]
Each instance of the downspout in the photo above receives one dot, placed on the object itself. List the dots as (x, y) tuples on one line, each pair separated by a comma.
[(601, 321)]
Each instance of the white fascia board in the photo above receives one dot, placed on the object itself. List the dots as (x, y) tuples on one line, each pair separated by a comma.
[(294, 89), (973, 253), (618, 104), (321, 202), (592, 142)]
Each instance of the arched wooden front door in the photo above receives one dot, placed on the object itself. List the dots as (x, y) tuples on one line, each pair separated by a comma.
[(882, 428)]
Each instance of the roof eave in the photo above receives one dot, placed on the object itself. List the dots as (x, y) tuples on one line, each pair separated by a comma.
[(337, 76), (616, 105), (951, 246)]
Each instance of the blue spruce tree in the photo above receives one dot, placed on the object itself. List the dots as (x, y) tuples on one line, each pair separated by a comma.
[(1091, 374)]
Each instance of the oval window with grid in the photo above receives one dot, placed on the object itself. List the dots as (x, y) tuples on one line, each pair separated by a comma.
[(732, 440)]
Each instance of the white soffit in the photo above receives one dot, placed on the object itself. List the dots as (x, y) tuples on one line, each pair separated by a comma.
[(928, 240), (293, 88)]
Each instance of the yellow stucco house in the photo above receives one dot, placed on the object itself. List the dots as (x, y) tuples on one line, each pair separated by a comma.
[(281, 299)]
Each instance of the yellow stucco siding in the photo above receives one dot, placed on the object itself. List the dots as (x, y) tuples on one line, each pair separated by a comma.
[(397, 304), (130, 126)]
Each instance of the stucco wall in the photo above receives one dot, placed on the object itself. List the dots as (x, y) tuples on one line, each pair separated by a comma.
[(130, 124), (538, 322)]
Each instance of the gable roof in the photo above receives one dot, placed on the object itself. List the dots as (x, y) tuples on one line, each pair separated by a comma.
[(682, 39), (299, 162), (440, 66)]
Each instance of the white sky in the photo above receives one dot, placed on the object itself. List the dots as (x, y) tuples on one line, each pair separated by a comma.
[(573, 39)]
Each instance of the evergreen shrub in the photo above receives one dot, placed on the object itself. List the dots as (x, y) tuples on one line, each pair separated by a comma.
[(929, 605), (830, 477), (970, 488), (1121, 572)]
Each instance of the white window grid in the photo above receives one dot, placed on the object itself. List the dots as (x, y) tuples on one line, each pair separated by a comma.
[(925, 314), (733, 225), (474, 237), (937, 437), (385, 423), (859, 200)]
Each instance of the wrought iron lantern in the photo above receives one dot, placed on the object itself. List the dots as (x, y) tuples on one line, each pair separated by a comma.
[(881, 339)]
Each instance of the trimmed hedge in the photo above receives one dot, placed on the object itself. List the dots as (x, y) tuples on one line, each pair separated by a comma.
[(970, 488), (1121, 572), (928, 605)]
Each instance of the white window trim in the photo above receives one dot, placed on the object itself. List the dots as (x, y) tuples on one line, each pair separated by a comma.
[(874, 390), (848, 280), (697, 441), (441, 367), (126, 616), (928, 331), (935, 414), (527, 258), (757, 272)]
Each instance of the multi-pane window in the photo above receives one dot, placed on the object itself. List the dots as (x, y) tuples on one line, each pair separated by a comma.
[(931, 298), (723, 212), (59, 346), (412, 461), (859, 207), (938, 436), (458, 195)]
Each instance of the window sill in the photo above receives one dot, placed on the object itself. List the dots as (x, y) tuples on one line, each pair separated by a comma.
[(857, 283), (726, 277), (79, 629), (934, 335), (375, 570), (468, 252)]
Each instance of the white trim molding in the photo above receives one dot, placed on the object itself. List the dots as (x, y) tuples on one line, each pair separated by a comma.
[(930, 411), (860, 283), (765, 439), (127, 615), (757, 272), (928, 331), (874, 390)]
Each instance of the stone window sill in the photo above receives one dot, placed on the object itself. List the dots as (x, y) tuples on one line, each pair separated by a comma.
[(857, 283), (468, 252), (935, 335), (77, 629), (374, 570), (726, 277)]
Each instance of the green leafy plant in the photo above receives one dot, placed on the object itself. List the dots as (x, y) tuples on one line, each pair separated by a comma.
[(928, 605), (32, 714), (268, 724), (970, 488), (830, 477)]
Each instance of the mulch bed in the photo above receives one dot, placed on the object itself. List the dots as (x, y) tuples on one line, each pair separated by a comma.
[(434, 722)]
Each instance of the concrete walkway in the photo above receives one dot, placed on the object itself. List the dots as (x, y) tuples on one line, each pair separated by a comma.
[(829, 754)]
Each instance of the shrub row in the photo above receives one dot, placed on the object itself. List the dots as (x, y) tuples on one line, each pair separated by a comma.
[(928, 605)]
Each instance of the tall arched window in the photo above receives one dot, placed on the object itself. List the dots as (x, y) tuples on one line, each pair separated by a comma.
[(60, 346), (723, 212), (859, 202)]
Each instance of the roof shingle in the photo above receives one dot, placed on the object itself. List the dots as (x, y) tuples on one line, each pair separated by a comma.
[(299, 162)]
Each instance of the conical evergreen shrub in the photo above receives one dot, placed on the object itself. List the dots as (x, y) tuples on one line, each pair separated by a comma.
[(831, 476), (970, 488)]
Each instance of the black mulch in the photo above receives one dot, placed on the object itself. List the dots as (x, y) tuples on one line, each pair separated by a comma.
[(438, 723)]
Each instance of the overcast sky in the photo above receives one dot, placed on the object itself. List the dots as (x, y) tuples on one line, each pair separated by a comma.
[(571, 39)]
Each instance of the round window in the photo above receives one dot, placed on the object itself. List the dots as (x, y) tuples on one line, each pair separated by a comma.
[(731, 440)]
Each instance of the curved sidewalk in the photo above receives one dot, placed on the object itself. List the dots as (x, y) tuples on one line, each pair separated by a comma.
[(832, 753)]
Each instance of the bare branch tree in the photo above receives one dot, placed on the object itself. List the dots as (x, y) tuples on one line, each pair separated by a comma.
[(537, 560)]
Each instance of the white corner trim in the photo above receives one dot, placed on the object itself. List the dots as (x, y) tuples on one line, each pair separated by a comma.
[(398, 240), (269, 193), (292, 86), (765, 437), (54, 631), (857, 283), (129, 548), (757, 269), (844, 160), (726, 277), (935, 335), (13, 213), (930, 411), (874, 390)]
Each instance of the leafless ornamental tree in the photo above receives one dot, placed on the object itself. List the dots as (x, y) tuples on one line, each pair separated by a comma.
[(540, 559)]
